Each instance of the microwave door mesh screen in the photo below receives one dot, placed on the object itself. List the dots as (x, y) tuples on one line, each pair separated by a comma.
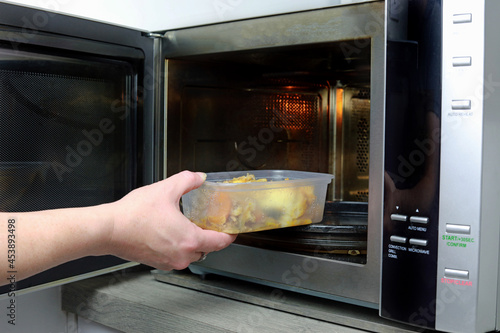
[(50, 145)]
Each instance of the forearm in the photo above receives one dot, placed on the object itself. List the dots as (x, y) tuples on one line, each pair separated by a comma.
[(144, 226), (34, 241)]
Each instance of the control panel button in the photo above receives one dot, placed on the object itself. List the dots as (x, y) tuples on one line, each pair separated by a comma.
[(462, 61), (461, 104), (418, 242), (398, 239), (399, 217), (457, 229), (462, 18), (419, 219), (456, 274)]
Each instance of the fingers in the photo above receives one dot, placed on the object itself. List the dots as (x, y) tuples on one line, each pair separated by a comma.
[(212, 245), (208, 241), (203, 256), (185, 181), (211, 241), (168, 239)]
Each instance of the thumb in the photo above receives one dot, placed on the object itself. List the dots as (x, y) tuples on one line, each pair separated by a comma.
[(186, 181)]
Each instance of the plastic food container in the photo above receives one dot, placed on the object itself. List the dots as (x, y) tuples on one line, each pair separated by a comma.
[(277, 199)]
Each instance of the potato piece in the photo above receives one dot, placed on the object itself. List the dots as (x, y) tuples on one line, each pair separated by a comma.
[(286, 204)]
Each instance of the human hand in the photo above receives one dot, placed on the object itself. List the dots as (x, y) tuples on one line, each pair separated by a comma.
[(149, 228)]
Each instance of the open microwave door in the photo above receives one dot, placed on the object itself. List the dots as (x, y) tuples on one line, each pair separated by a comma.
[(77, 121), (268, 93)]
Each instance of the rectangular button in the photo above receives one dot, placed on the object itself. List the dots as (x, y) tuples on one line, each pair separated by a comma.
[(456, 274), (419, 219), (458, 229), (418, 242), (398, 217), (398, 239), (462, 61), (461, 104), (462, 18)]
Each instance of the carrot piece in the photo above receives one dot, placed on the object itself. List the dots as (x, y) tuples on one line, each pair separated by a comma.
[(219, 208)]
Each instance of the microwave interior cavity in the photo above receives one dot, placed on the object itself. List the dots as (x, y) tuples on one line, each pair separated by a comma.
[(304, 107)]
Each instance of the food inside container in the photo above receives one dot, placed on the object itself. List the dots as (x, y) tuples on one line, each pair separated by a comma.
[(241, 201)]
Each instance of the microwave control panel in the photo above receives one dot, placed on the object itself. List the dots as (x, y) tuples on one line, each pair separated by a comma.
[(412, 147), (440, 251)]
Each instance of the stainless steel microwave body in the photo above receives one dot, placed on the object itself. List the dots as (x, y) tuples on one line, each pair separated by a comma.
[(396, 99)]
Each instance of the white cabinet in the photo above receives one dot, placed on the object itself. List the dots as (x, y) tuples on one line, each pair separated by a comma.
[(38, 311), (156, 15)]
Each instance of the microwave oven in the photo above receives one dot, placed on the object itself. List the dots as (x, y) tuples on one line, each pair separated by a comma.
[(396, 99)]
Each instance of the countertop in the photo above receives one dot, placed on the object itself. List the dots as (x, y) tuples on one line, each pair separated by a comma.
[(182, 302)]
